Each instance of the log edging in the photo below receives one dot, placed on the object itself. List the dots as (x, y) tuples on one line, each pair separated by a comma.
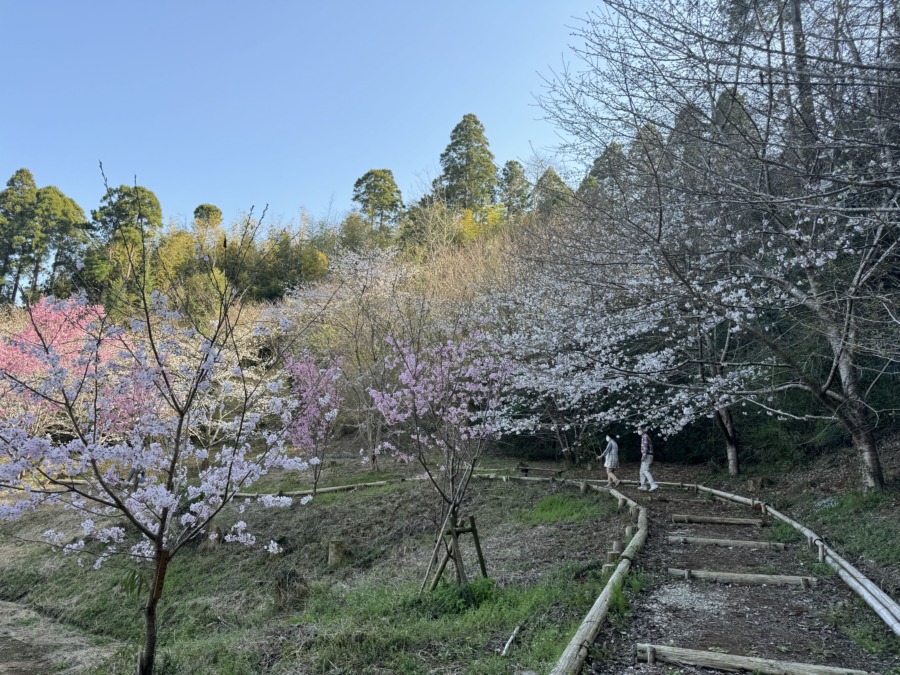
[(744, 577), (694, 657), (738, 543), (576, 651)]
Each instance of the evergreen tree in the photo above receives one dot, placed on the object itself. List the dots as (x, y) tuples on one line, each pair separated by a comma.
[(514, 189), (43, 234), (127, 226), (62, 246), (551, 194), (17, 210), (208, 214), (378, 196), (469, 177), (604, 182)]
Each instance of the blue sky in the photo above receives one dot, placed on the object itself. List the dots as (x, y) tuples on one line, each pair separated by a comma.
[(283, 103)]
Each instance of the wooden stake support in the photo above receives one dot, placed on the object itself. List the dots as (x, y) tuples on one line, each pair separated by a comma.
[(716, 520), (453, 530), (695, 657), (744, 578), (743, 543), (440, 570), (477, 540)]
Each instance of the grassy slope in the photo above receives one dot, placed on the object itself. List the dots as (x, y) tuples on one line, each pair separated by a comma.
[(242, 611)]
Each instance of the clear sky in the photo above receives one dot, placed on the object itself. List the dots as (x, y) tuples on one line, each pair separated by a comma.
[(283, 103)]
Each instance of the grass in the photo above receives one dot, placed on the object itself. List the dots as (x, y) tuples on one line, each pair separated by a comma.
[(781, 532), (568, 508), (852, 619), (239, 611), (382, 625), (861, 524)]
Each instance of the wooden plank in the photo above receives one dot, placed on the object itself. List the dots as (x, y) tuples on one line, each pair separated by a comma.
[(745, 578), (695, 657), (743, 543), (716, 520), (527, 469)]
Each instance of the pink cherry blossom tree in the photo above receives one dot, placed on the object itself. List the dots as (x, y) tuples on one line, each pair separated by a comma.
[(122, 396), (442, 405), (318, 399)]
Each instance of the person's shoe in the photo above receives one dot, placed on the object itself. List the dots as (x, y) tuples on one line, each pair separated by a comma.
[(617, 482), (653, 487), (643, 487)]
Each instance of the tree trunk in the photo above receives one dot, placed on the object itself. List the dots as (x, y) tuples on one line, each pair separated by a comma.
[(870, 463), (804, 85), (36, 272), (461, 578), (15, 288), (726, 424), (855, 415), (148, 656)]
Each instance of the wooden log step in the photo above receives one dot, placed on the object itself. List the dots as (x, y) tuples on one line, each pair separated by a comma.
[(743, 543), (745, 578), (719, 520), (661, 483), (695, 657), (536, 469)]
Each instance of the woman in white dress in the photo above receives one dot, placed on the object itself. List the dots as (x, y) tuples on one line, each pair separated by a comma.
[(610, 457)]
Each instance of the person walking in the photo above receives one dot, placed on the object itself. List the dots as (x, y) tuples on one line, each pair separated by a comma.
[(610, 457), (646, 478)]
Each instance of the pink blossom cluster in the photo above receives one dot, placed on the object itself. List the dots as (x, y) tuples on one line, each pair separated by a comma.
[(442, 402), (319, 399), (111, 424)]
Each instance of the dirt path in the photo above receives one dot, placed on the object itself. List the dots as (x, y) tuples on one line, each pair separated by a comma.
[(771, 622), (31, 644)]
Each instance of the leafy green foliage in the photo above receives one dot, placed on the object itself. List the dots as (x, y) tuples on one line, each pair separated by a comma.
[(42, 239), (378, 196), (469, 176), (515, 190), (551, 194)]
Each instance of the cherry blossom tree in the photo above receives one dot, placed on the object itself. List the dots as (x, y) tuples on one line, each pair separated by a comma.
[(317, 399), (350, 315), (442, 407), (598, 357), (177, 377), (757, 195)]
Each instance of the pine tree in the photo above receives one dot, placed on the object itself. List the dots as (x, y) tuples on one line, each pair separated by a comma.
[(378, 196), (469, 176), (551, 194), (514, 189)]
